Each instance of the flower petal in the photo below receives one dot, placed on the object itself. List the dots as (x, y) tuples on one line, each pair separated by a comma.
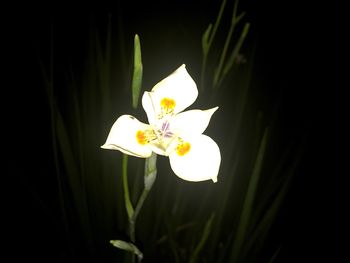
[(192, 122), (128, 136), (149, 108), (171, 95), (197, 159)]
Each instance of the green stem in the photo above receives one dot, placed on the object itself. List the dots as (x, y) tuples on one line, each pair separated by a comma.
[(137, 211), (149, 178), (128, 205)]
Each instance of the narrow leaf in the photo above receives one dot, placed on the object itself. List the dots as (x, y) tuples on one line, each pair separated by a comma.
[(262, 228), (204, 238), (249, 200), (217, 22), (128, 247), (137, 74), (274, 256), (205, 40), (236, 50), (238, 18)]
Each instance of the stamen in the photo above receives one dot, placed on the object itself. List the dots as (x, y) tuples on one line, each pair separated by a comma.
[(165, 126), (141, 137), (167, 105), (168, 134), (183, 148), (146, 136)]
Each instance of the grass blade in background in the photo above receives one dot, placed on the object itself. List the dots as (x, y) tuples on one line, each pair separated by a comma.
[(205, 235), (207, 40), (232, 59), (268, 215), (69, 177), (218, 75), (248, 201)]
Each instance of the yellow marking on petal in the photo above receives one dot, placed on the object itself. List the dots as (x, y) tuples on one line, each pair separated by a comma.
[(141, 137), (183, 148), (168, 104), (146, 136)]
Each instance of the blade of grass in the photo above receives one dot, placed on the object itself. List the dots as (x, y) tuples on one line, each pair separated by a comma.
[(234, 156), (259, 234), (205, 235), (207, 40), (103, 59), (218, 70), (49, 88), (274, 256), (249, 200), (233, 56), (236, 49), (171, 239)]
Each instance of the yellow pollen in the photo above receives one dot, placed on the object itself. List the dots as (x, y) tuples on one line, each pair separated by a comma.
[(183, 148), (141, 137), (168, 104)]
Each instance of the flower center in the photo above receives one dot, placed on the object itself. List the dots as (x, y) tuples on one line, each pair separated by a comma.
[(165, 130), (183, 148), (160, 136), (167, 105)]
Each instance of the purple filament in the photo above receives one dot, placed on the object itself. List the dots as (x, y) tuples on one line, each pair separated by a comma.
[(165, 130)]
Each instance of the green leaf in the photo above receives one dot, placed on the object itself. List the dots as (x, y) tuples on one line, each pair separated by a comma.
[(137, 74), (205, 39), (274, 256), (238, 18), (261, 230), (245, 217), (128, 247), (236, 50), (204, 238)]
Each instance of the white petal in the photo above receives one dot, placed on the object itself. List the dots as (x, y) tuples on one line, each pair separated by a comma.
[(122, 137), (149, 108), (179, 87), (192, 122), (200, 163), (156, 148)]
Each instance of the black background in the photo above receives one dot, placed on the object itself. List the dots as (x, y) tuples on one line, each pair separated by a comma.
[(284, 34)]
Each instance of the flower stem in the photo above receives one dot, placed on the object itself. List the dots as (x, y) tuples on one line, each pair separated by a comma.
[(137, 211), (128, 205), (149, 178)]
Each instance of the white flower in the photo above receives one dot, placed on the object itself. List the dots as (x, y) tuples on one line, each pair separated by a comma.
[(193, 156)]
